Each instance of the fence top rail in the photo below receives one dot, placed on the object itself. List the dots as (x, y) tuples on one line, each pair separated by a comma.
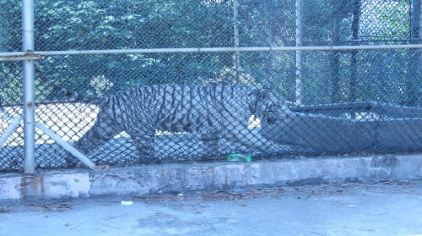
[(5, 56)]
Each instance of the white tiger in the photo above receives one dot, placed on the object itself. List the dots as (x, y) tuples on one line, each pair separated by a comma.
[(213, 111)]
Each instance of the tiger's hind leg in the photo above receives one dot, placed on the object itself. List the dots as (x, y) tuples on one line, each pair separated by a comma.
[(103, 130), (211, 142), (143, 138)]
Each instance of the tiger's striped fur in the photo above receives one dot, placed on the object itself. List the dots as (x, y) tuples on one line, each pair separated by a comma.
[(214, 111)]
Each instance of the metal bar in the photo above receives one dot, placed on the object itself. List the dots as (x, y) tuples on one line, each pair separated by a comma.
[(236, 59), (299, 54), (66, 146), (354, 60), (225, 49), (334, 58), (216, 49), (339, 107), (28, 100), (12, 54), (22, 58), (414, 76), (9, 131)]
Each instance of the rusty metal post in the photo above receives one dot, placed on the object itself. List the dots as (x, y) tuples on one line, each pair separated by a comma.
[(28, 90)]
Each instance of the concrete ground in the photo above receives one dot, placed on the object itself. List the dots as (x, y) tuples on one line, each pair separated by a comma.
[(388, 208)]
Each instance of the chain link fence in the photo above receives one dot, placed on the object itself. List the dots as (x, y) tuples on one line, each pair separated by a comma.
[(11, 86), (213, 103), (11, 152)]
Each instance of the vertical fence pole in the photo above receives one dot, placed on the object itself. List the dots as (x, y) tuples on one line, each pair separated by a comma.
[(236, 59), (335, 58), (419, 18), (28, 87), (299, 54), (354, 62), (414, 77)]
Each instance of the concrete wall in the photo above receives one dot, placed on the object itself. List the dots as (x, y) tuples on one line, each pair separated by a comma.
[(206, 176)]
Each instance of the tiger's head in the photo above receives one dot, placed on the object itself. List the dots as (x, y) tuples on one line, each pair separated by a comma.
[(267, 105)]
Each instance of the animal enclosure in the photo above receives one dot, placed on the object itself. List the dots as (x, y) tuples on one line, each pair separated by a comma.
[(135, 82)]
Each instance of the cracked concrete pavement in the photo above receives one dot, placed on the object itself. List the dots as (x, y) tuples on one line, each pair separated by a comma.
[(386, 208)]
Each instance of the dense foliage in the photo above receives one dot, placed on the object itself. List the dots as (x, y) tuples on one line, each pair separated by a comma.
[(111, 24)]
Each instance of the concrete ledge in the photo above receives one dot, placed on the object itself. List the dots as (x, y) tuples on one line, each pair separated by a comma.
[(206, 176)]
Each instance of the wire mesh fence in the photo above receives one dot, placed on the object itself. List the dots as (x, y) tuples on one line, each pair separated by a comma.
[(77, 24), (11, 26), (11, 152), (129, 108)]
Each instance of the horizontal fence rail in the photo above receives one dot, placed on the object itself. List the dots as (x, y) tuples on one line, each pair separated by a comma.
[(36, 55)]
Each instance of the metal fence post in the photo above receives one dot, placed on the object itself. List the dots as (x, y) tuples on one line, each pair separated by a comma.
[(28, 88), (236, 59), (414, 76), (299, 54), (354, 60)]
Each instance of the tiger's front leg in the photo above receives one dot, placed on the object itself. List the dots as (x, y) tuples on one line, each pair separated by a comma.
[(253, 139), (240, 133)]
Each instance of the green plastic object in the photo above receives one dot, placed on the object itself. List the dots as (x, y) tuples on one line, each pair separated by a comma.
[(237, 157)]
